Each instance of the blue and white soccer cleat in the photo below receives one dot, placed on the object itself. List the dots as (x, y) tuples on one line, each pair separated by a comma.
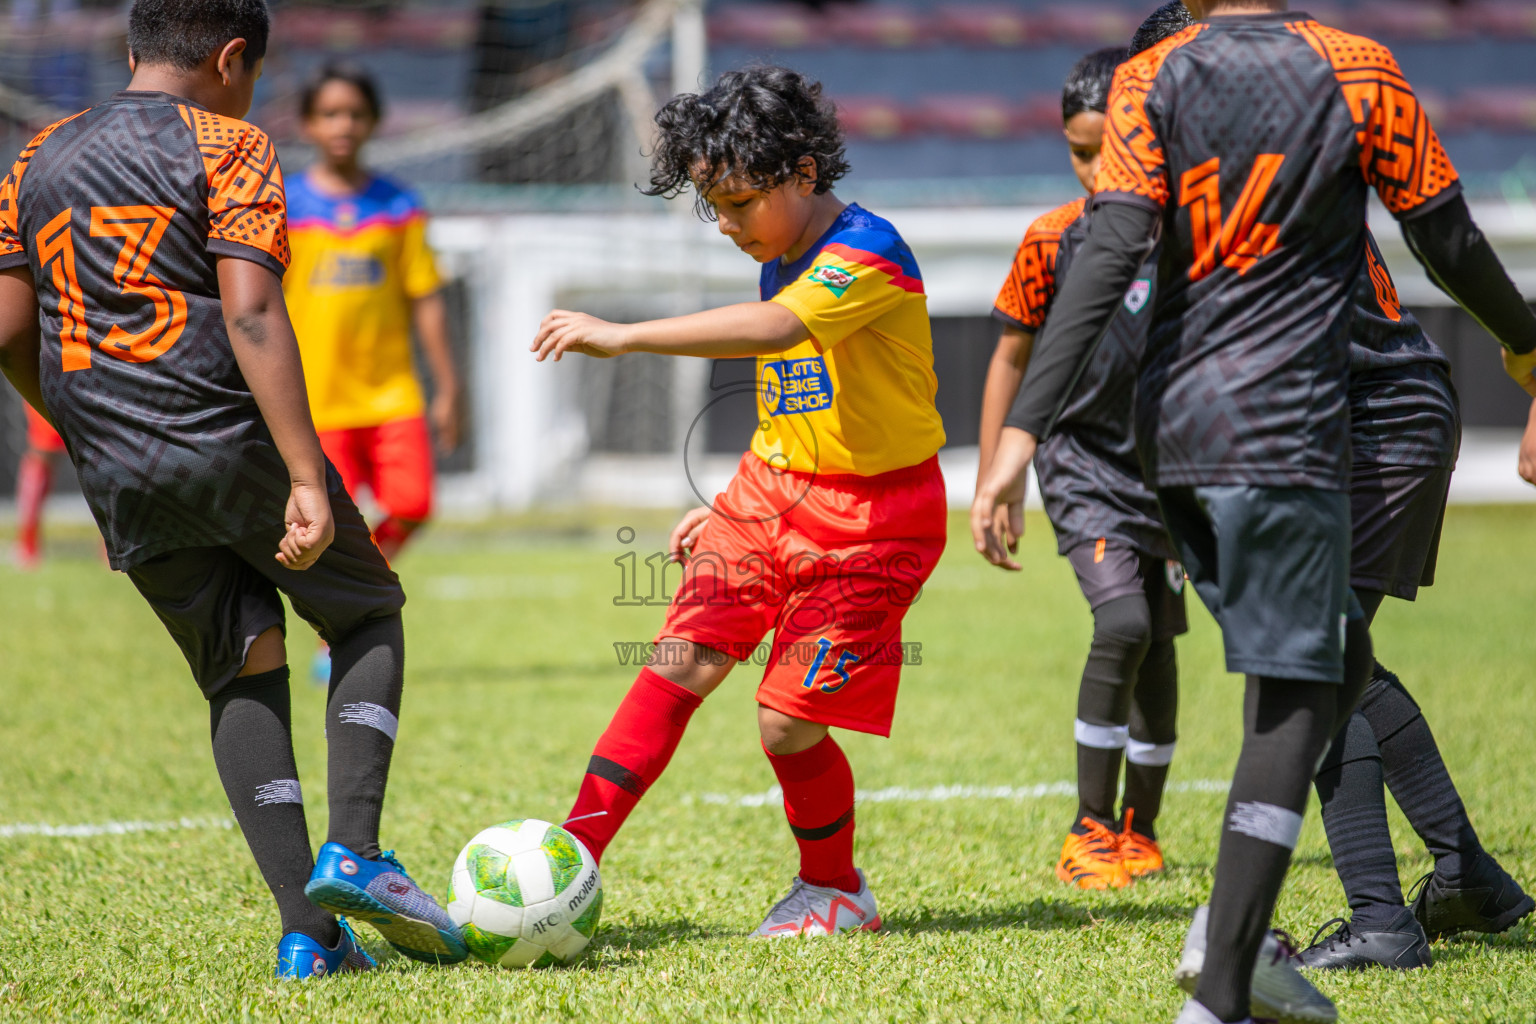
[(381, 893), (299, 956)]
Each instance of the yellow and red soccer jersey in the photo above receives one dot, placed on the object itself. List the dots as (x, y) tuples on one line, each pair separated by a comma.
[(1026, 295), (858, 396), (359, 261)]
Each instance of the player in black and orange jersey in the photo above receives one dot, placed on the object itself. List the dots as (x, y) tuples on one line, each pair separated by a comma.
[(150, 233), (1242, 406), (1107, 525)]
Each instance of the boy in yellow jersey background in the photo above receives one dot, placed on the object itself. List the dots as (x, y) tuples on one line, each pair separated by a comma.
[(836, 516), (362, 277)]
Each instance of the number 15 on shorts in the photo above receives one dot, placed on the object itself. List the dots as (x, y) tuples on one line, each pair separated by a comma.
[(839, 668)]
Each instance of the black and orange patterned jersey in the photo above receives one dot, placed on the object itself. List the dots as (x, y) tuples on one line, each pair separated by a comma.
[(1090, 475), (1402, 406), (122, 212), (1031, 284), (1257, 138)]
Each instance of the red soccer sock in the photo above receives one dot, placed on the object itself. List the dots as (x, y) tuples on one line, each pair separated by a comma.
[(34, 478), (818, 800), (629, 757)]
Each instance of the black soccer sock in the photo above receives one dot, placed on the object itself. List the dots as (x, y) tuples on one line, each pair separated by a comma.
[(1417, 776), (1354, 807), (253, 750), (1154, 730), (361, 717), (1122, 630), (1286, 727)]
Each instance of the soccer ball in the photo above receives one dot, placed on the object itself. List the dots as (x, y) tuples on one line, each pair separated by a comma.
[(527, 894)]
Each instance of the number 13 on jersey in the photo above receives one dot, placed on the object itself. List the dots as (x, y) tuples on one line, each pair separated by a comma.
[(141, 228)]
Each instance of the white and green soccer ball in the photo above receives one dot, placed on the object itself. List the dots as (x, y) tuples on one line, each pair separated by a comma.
[(527, 894)]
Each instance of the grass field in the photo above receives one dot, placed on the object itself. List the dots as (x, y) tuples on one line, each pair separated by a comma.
[(512, 674)]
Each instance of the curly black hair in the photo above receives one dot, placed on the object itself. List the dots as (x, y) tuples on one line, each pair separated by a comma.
[(1087, 87), (1169, 19), (754, 125)]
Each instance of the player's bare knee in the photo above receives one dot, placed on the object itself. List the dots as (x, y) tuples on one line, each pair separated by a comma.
[(692, 666), (267, 653), (783, 734)]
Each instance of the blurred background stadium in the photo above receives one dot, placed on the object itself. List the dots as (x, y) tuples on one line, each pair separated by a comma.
[(524, 124)]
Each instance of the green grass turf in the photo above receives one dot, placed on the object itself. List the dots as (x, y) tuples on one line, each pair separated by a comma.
[(512, 676)]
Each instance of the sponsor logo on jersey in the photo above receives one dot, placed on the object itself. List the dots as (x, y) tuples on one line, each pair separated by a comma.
[(344, 270), (791, 386), (836, 279), (1175, 572), (1137, 295)]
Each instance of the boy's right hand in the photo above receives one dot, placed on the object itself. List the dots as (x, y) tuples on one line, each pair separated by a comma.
[(685, 536), (311, 527)]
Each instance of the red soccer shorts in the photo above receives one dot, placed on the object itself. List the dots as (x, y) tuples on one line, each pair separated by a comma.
[(393, 460), (830, 564), (40, 436)]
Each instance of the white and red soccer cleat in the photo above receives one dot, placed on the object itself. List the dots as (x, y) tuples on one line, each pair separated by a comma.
[(817, 910)]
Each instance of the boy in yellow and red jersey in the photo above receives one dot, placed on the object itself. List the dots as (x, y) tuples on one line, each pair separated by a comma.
[(34, 479), (362, 276), (836, 516)]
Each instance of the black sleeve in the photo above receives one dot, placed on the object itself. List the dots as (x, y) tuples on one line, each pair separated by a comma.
[(1119, 237), (1461, 262)]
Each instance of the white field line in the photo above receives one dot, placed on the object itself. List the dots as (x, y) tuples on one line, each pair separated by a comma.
[(774, 796), (771, 797), (111, 828)]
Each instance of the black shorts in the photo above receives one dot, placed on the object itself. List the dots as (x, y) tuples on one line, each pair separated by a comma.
[(1272, 565), (1107, 570), (1397, 513), (216, 601)]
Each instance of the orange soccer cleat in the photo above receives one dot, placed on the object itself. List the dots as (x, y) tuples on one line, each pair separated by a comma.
[(1141, 855), (1092, 860)]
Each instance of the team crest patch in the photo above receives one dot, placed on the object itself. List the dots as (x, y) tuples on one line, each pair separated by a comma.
[(1175, 576), (836, 279), (791, 386), (1137, 295)]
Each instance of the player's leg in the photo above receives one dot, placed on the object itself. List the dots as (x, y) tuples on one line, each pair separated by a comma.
[(403, 479), (1110, 578), (34, 481), (228, 622), (1272, 564), (1154, 719), (348, 452), (856, 558), (726, 600), (353, 599)]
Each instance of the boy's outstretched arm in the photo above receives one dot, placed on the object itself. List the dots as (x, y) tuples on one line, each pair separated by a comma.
[(745, 329), (268, 354), (20, 335), (431, 315), (1004, 375), (1461, 262)]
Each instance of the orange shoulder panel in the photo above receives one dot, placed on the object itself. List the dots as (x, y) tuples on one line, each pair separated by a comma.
[(1133, 160), (1032, 278), (10, 230), (246, 201), (1400, 154)]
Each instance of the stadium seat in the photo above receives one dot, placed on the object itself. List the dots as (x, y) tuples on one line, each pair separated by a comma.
[(416, 29), (1505, 19), (774, 26), (1505, 109), (874, 117), (979, 116), (313, 29), (1410, 19), (1089, 24), (882, 26), (997, 25)]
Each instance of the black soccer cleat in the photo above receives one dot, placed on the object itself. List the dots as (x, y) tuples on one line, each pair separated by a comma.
[(1400, 946), (1487, 901)]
